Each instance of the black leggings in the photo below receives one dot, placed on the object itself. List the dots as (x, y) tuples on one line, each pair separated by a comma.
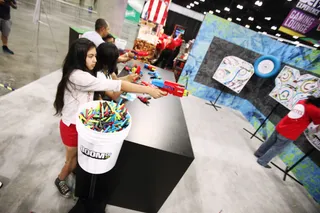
[(164, 58)]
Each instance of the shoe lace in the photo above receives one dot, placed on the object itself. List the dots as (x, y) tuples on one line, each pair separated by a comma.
[(64, 187)]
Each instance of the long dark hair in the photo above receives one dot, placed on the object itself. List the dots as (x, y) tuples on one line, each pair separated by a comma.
[(75, 59), (107, 57), (313, 100)]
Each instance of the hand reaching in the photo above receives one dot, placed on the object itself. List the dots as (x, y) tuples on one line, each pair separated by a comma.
[(131, 55), (156, 93), (132, 77)]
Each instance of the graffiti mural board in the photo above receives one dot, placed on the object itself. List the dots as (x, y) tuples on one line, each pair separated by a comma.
[(313, 135), (292, 87), (234, 73)]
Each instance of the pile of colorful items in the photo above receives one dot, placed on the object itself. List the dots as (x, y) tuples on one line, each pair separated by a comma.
[(107, 117), (141, 45)]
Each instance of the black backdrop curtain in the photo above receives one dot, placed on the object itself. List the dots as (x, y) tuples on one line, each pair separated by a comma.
[(192, 25)]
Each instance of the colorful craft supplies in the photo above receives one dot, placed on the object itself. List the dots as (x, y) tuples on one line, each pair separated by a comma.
[(107, 117)]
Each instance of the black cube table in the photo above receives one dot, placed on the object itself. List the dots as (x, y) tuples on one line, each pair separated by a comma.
[(153, 158)]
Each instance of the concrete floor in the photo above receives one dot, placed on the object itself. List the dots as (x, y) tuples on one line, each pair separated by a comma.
[(26, 66), (224, 175), (31, 63)]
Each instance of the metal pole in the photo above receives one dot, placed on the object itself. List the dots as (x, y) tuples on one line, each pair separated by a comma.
[(265, 120)]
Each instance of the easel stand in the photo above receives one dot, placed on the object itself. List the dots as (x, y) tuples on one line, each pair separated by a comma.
[(216, 107), (264, 121), (36, 41), (92, 186), (288, 169), (90, 201)]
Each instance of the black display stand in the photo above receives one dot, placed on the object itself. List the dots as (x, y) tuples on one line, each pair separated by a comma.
[(216, 107), (150, 164), (73, 35), (263, 122)]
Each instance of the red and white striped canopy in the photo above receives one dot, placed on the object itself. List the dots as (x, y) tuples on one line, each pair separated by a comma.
[(156, 11)]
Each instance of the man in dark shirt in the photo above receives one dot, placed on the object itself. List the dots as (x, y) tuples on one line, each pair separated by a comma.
[(5, 22)]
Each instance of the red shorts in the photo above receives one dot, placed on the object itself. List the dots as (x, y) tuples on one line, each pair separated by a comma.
[(69, 134)]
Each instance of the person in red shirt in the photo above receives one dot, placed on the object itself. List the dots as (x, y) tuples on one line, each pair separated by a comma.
[(167, 53), (161, 43), (176, 51), (289, 129)]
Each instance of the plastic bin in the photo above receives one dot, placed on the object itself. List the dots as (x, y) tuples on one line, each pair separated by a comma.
[(97, 151)]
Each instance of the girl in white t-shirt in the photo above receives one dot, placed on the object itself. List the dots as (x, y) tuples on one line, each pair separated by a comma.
[(77, 87)]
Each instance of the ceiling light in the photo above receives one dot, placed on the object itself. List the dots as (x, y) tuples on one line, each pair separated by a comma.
[(278, 34), (202, 0), (258, 27), (188, 6), (316, 45), (197, 3), (238, 19), (227, 9), (295, 37), (247, 26), (265, 33), (204, 12), (211, 12), (289, 0), (273, 28), (279, 39), (239, 6), (258, 3), (267, 18), (250, 18), (218, 11), (229, 19), (191, 4)]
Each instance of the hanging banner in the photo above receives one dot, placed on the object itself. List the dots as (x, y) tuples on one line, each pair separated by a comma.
[(132, 14), (303, 20)]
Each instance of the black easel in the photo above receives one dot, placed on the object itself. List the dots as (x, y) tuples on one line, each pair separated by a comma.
[(293, 178), (264, 121), (288, 169), (214, 104)]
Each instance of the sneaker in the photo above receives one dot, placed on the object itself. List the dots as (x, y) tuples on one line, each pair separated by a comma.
[(266, 166), (7, 50), (63, 188)]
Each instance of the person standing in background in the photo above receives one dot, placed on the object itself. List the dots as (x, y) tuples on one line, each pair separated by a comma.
[(101, 30), (289, 129), (178, 42), (5, 23)]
